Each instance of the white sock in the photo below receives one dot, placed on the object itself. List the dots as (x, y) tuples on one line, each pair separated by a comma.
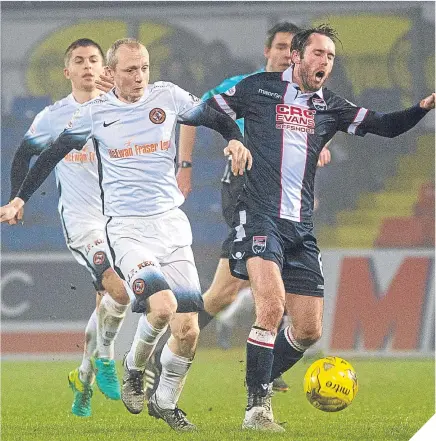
[(145, 340), (243, 302), (174, 372), (86, 372), (110, 318)]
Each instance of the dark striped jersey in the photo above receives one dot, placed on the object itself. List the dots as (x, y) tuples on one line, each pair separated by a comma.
[(285, 130)]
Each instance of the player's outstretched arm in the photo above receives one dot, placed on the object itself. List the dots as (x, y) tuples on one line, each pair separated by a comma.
[(390, 125), (186, 147), (429, 102), (19, 169), (35, 177)]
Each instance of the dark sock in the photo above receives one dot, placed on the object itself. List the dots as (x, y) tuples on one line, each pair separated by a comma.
[(204, 319), (285, 352), (260, 357)]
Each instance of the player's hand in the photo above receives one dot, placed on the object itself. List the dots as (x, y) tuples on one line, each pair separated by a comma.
[(18, 217), (184, 180), (105, 83), (324, 157), (10, 211), (241, 157), (428, 103)]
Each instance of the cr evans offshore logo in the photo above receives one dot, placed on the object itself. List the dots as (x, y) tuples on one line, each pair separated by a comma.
[(295, 118)]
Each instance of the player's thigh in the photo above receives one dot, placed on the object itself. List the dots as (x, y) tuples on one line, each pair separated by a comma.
[(304, 283), (254, 235), (224, 285), (181, 274), (90, 250), (302, 268), (134, 260)]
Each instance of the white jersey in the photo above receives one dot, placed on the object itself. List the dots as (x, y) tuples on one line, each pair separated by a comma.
[(80, 205), (135, 147)]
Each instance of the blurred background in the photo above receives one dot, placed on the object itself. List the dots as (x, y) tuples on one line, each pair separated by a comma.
[(375, 201)]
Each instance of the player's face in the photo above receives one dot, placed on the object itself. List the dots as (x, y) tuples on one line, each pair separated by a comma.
[(279, 54), (131, 74), (312, 71), (84, 67)]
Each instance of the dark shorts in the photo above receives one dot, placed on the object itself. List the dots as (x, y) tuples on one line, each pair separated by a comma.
[(229, 198), (292, 245)]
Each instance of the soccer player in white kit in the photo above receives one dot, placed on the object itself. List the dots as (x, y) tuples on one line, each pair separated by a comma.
[(82, 220), (149, 237)]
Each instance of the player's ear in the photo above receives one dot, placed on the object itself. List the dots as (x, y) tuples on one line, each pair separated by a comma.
[(108, 71), (266, 51), (295, 57), (66, 73)]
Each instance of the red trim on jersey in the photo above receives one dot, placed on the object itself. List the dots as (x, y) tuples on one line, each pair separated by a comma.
[(283, 152)]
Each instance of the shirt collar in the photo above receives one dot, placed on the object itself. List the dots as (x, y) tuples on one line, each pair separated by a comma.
[(111, 93), (287, 76)]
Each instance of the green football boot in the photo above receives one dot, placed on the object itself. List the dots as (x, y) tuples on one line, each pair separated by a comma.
[(82, 394), (106, 376)]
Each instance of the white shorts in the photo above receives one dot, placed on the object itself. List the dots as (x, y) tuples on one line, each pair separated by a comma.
[(89, 249), (154, 253)]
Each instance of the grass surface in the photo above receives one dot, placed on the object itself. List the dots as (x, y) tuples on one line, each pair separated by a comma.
[(396, 397)]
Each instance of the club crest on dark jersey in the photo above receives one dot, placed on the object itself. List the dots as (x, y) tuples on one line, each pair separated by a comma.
[(99, 258), (319, 103), (231, 91), (138, 287), (157, 115), (259, 244)]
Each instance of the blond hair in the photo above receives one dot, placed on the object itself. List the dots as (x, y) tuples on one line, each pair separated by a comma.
[(111, 56)]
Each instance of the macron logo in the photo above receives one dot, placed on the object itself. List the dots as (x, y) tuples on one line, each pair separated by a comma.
[(271, 94)]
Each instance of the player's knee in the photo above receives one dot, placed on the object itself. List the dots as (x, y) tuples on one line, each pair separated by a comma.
[(308, 334), (163, 306), (188, 335)]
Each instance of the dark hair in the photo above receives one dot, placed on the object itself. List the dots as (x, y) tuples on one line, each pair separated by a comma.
[(81, 42), (301, 39), (280, 27)]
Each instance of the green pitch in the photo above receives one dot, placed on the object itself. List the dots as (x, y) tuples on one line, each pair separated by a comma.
[(396, 397)]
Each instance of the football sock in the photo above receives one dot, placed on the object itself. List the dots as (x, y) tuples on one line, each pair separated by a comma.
[(86, 372), (260, 357), (143, 344), (174, 372), (287, 351), (109, 318)]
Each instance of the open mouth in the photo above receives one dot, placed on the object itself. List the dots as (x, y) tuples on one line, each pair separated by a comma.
[(319, 75)]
